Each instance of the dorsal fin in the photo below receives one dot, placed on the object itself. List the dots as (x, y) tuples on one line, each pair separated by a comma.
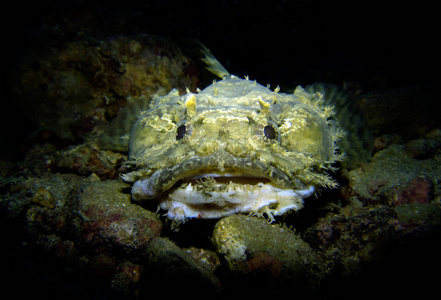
[(213, 65)]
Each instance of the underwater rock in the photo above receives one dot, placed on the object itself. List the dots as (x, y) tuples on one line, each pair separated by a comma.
[(76, 86), (260, 253), (87, 223), (90, 212), (14, 197), (348, 243), (418, 190), (416, 220), (378, 250), (393, 177), (103, 217), (383, 141), (44, 198), (423, 148), (47, 192), (127, 277), (167, 263), (87, 159), (206, 258)]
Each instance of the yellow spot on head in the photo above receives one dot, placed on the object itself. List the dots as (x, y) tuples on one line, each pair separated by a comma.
[(262, 103), (264, 106), (191, 105)]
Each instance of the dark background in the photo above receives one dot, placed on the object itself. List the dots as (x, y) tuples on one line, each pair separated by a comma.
[(280, 42)]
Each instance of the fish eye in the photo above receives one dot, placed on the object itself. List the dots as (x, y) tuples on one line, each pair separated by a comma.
[(269, 132), (181, 131)]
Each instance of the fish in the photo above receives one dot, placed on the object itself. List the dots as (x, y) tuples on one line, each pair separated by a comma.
[(235, 147)]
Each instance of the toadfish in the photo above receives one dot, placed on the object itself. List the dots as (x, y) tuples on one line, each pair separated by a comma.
[(234, 147)]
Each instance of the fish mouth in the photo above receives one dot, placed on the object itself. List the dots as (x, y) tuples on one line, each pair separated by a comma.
[(222, 184)]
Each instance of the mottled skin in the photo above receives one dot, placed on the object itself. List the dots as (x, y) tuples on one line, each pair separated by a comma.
[(234, 147)]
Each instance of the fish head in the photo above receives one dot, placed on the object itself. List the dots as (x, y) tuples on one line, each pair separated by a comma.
[(235, 147)]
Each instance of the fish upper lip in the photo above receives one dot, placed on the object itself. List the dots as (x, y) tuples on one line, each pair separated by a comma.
[(220, 163)]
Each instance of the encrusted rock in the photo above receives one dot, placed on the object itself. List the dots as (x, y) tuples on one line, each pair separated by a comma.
[(418, 190), (80, 84), (127, 277), (416, 219), (48, 191), (423, 148), (271, 254), (103, 217), (206, 258), (87, 159), (393, 177), (44, 198), (350, 239), (169, 263)]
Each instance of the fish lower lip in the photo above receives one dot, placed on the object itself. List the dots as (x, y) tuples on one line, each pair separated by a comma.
[(221, 185), (220, 164)]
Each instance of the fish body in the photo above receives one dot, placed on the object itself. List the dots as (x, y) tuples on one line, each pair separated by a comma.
[(234, 147)]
